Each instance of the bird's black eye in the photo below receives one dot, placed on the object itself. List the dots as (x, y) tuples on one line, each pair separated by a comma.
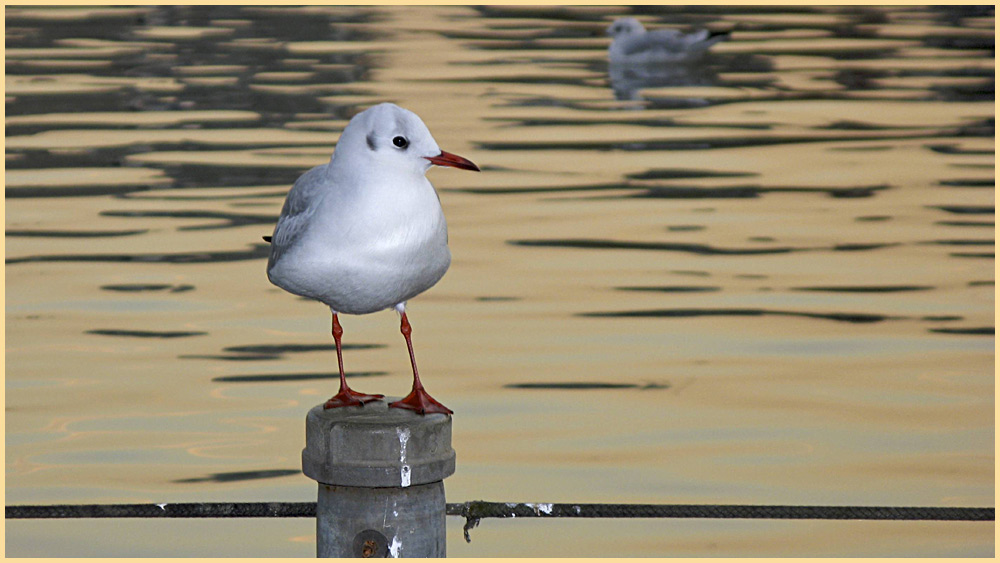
[(400, 141)]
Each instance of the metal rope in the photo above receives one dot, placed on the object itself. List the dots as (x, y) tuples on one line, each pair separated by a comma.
[(167, 510), (473, 511), (482, 509)]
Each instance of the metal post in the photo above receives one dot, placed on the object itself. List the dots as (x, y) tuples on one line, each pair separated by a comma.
[(381, 478)]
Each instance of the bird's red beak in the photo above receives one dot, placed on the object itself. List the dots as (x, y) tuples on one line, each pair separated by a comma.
[(453, 160)]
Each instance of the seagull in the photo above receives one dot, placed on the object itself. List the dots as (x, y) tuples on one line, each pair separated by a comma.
[(365, 232), (632, 44)]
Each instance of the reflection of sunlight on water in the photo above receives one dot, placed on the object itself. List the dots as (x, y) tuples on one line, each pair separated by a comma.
[(751, 280)]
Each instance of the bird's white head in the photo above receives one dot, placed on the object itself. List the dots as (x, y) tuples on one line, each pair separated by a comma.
[(625, 26), (389, 138)]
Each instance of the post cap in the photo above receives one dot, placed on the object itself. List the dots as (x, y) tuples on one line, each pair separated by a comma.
[(375, 446)]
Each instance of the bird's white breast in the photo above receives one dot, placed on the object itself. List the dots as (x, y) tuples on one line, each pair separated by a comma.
[(364, 252)]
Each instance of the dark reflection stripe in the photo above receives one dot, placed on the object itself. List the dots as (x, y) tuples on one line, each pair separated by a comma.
[(228, 220), (966, 223), (859, 246), (962, 242), (865, 288), (138, 287), (73, 234), (955, 149), (272, 352), (72, 191), (692, 192), (969, 183), (198, 175), (966, 209), (706, 143), (194, 196), (525, 79), (671, 288), (529, 45), (295, 348), (976, 331), (234, 476), (628, 245), (702, 249), (265, 352), (286, 377), (259, 251), (575, 386), (852, 125), (683, 313), (248, 358), (681, 192), (656, 123), (146, 333), (752, 191), (971, 254), (179, 177)]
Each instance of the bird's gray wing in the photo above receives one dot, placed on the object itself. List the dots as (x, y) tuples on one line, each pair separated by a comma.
[(299, 207), (658, 40), (703, 39), (695, 37)]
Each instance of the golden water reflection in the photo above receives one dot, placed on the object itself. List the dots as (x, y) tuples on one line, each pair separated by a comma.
[(768, 280)]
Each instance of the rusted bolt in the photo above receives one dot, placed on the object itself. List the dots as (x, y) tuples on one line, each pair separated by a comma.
[(371, 543)]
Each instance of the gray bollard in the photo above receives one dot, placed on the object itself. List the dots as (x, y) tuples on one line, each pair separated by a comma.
[(381, 478)]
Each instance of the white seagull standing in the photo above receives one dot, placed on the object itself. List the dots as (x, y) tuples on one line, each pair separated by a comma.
[(365, 231), (632, 44)]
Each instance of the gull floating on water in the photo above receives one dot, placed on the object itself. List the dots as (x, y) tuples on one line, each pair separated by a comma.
[(632, 44), (365, 231)]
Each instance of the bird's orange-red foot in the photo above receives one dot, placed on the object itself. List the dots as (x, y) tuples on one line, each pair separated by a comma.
[(418, 400), (347, 397)]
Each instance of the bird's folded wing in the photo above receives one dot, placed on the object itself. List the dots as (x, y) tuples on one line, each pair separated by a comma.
[(659, 40), (299, 207)]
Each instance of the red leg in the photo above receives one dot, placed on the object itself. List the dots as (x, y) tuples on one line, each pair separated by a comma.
[(346, 396), (418, 399)]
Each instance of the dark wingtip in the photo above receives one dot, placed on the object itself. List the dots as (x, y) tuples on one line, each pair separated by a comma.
[(266, 238)]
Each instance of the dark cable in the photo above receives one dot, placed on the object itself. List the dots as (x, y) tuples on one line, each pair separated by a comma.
[(475, 510)]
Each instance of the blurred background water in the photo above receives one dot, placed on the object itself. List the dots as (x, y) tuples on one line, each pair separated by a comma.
[(764, 278)]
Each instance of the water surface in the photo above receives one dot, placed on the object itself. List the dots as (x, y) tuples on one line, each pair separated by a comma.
[(767, 278)]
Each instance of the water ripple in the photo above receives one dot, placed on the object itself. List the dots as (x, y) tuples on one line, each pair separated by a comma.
[(147, 333), (258, 252), (741, 312), (703, 249), (258, 352), (288, 377)]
